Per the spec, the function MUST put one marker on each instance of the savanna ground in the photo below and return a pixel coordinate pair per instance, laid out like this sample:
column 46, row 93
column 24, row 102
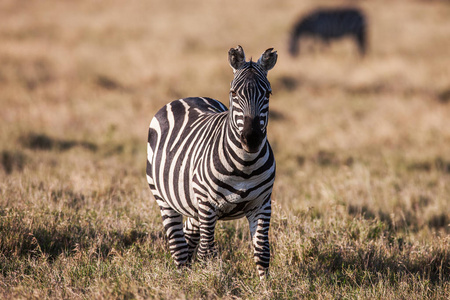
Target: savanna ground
column 361, row 200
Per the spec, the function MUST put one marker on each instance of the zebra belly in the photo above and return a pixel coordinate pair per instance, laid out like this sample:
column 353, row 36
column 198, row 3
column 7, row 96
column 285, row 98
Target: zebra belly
column 242, row 196
column 231, row 211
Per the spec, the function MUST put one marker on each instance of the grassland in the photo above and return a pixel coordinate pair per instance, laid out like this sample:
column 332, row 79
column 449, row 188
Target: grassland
column 361, row 200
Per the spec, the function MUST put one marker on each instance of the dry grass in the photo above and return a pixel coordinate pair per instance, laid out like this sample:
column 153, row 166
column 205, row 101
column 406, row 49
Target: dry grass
column 361, row 201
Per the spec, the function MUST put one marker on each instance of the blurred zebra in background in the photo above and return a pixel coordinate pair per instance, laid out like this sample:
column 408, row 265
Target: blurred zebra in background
column 330, row 24
column 209, row 163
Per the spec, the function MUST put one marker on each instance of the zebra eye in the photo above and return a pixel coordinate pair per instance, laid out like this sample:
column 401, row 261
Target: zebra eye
column 233, row 94
column 268, row 93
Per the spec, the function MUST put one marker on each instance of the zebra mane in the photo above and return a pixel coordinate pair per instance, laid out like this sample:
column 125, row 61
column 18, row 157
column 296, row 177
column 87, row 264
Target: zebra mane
column 251, row 65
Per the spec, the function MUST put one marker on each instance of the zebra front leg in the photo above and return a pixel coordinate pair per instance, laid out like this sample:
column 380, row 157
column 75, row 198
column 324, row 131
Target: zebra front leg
column 173, row 224
column 259, row 222
column 192, row 235
column 207, row 220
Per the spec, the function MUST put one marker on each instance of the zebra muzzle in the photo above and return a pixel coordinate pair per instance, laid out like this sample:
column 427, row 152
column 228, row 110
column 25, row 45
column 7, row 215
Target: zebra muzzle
column 251, row 136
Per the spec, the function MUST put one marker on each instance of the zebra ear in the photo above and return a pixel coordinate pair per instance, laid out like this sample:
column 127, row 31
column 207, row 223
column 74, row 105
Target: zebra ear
column 236, row 58
column 268, row 59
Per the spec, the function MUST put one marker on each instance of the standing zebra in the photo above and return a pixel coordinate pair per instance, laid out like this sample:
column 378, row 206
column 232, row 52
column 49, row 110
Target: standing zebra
column 209, row 163
column 328, row 24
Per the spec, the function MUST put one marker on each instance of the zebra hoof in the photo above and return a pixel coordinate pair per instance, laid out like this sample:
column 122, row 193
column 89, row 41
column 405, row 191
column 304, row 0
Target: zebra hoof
column 209, row 255
column 184, row 266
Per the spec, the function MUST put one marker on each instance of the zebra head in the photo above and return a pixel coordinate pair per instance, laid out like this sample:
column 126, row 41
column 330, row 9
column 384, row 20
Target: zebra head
column 249, row 97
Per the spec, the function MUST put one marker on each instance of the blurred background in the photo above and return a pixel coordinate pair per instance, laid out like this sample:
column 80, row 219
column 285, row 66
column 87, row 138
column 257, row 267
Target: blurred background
column 362, row 142
column 81, row 80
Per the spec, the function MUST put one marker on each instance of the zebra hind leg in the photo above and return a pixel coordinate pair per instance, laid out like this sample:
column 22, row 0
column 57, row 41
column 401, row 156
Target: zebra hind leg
column 173, row 224
column 192, row 235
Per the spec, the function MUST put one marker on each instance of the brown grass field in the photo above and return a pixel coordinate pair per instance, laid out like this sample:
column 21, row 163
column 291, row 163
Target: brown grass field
column 361, row 199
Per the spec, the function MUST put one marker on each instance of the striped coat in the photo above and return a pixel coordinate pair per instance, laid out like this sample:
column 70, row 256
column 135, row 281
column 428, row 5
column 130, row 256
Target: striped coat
column 208, row 163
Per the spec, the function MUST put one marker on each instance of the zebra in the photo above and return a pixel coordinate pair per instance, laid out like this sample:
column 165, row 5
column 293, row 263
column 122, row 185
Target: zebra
column 329, row 24
column 208, row 163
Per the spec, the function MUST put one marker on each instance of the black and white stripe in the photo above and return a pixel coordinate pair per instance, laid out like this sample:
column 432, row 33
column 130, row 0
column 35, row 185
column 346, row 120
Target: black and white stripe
column 209, row 163
column 329, row 24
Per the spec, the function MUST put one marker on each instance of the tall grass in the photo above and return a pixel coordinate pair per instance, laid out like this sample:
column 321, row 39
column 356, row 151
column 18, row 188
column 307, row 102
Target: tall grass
column 361, row 199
